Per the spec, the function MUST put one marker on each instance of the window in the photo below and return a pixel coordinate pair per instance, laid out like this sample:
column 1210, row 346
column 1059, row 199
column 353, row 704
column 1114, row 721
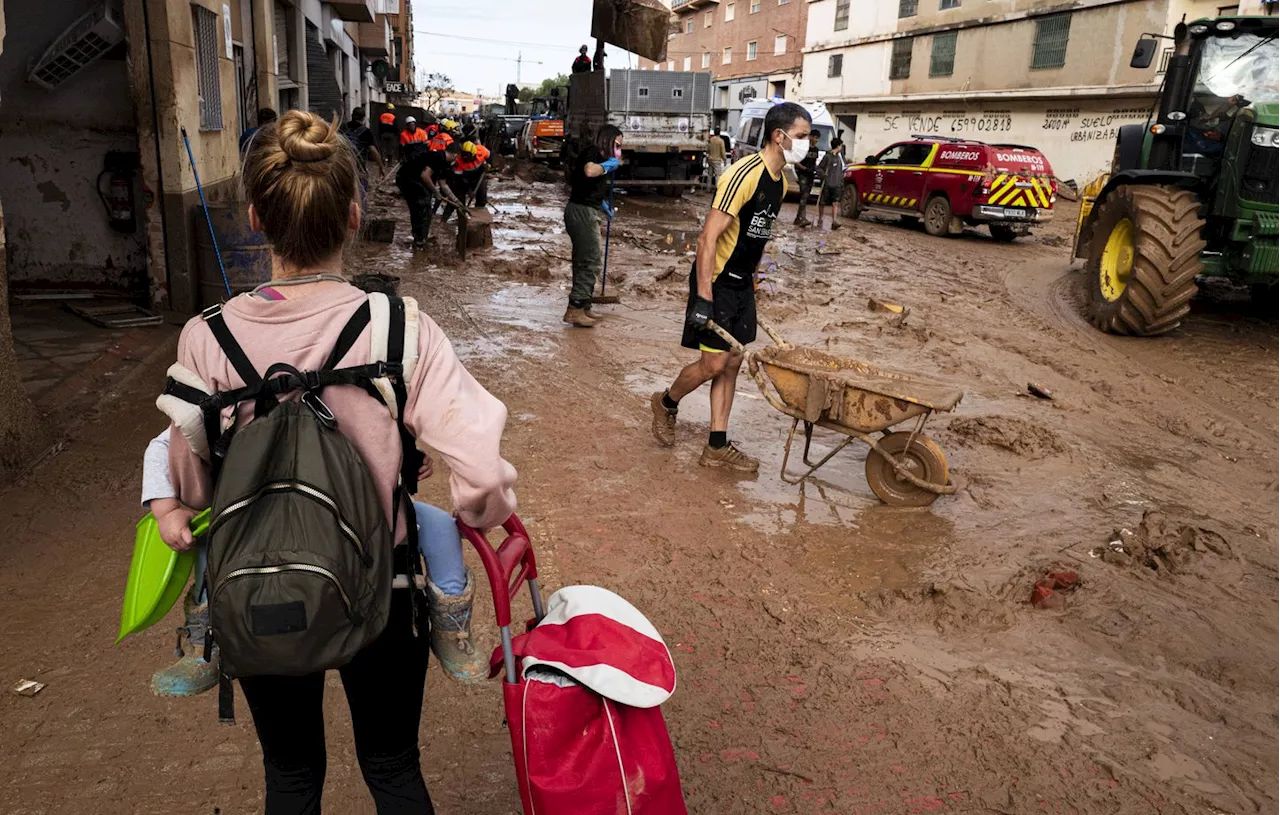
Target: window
column 908, row 154
column 677, row 93
column 900, row 58
column 706, row 59
column 706, row 19
column 842, row 15
column 908, row 8
column 755, row 6
column 752, row 131
column 751, row 50
column 643, row 93
column 835, row 65
column 1050, row 47
column 728, row 56
column 780, row 44
column 671, row 65
column 778, row 89
column 728, row 12
column 943, row 60
column 688, row 26
column 783, row 2
column 688, row 63
column 204, row 25
column 943, row 5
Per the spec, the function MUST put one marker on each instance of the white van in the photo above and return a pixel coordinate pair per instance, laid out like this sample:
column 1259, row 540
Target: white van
column 751, row 133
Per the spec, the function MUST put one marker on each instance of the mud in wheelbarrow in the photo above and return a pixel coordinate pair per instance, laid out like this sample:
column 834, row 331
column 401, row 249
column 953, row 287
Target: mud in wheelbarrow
column 861, row 402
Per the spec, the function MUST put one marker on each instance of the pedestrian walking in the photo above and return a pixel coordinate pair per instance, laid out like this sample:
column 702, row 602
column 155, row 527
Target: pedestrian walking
column 831, row 171
column 715, row 158
column 806, row 172
column 722, row 282
column 588, row 191
column 300, row 181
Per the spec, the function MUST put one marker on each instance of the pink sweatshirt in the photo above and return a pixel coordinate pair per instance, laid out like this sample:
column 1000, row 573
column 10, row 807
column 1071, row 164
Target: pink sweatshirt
column 447, row 410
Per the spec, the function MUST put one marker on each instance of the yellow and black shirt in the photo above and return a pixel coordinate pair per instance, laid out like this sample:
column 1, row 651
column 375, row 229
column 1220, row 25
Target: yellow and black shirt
column 753, row 196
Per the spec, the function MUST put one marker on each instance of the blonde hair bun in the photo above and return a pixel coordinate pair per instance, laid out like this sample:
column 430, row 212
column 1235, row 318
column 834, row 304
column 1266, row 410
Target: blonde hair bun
column 306, row 138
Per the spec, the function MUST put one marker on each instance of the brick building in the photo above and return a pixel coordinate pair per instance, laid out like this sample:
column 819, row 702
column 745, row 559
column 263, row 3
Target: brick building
column 752, row 48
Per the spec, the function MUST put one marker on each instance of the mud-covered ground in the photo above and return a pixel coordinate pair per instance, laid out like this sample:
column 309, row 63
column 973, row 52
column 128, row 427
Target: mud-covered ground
column 835, row 655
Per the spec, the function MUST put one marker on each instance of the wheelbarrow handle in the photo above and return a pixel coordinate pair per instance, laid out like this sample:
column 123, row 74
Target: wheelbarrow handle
column 739, row 347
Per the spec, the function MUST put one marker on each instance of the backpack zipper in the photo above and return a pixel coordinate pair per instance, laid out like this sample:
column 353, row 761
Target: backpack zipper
column 257, row 571
column 305, row 489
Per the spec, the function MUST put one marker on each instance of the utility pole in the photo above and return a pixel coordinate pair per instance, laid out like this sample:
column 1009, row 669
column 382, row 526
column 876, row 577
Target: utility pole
column 519, row 59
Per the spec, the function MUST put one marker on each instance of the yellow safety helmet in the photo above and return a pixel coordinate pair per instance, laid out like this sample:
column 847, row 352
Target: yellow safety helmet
column 449, row 124
column 390, row 106
column 469, row 147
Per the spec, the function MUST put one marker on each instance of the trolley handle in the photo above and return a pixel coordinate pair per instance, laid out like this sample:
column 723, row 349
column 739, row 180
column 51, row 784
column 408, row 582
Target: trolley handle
column 508, row 567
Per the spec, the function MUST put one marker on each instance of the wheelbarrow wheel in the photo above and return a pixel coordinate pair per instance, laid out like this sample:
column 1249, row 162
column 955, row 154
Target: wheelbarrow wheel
column 924, row 459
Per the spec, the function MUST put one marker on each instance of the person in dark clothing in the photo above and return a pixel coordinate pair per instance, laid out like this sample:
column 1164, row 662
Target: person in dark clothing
column 582, row 64
column 597, row 64
column 588, row 196
column 362, row 142
column 422, row 176
column 806, row 171
column 265, row 117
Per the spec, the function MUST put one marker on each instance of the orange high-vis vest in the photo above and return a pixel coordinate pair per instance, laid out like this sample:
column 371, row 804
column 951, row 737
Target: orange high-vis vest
column 467, row 162
column 441, row 141
column 418, row 135
column 387, row 118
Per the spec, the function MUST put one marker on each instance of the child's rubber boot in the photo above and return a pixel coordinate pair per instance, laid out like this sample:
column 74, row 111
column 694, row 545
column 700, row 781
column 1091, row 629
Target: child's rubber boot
column 190, row 675
column 451, row 633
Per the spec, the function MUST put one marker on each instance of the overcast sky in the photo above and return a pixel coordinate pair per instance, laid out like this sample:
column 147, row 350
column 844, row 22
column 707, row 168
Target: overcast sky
column 545, row 31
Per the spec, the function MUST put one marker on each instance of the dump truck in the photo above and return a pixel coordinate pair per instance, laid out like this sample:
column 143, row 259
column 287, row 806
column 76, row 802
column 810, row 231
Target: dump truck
column 1193, row 192
column 664, row 116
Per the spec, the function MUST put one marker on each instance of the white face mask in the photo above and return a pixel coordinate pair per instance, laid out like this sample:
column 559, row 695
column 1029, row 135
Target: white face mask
column 798, row 150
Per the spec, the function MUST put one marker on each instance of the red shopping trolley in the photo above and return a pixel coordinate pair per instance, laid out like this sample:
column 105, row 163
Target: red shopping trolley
column 580, row 691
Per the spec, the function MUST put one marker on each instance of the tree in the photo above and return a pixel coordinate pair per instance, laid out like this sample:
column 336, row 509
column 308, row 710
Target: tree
column 560, row 81
column 434, row 88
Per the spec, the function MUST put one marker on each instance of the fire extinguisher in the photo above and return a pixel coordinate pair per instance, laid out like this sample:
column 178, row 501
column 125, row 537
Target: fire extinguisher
column 117, row 199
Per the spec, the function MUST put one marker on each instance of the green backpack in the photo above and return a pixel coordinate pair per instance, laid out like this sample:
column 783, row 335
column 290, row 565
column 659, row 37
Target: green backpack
column 300, row 551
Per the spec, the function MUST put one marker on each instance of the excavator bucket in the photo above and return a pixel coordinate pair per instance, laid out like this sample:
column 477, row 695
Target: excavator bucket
column 639, row 26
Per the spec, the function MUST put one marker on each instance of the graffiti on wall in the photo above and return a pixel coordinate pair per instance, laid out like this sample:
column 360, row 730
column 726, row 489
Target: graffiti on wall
column 1079, row 125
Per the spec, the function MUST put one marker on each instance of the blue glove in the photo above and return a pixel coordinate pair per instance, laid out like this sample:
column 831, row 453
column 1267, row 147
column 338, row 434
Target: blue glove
column 610, row 165
column 608, row 210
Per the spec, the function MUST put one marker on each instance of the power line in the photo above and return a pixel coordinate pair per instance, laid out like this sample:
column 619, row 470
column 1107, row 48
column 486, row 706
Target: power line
column 496, row 42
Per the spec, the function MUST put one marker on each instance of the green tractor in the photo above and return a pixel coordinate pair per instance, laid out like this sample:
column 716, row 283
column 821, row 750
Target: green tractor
column 1193, row 191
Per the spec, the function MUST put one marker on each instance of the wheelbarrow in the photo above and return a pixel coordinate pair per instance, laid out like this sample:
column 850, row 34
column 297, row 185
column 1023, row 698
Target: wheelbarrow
column 859, row 401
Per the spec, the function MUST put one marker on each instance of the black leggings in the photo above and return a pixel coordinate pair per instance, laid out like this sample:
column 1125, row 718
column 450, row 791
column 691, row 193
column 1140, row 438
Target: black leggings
column 384, row 685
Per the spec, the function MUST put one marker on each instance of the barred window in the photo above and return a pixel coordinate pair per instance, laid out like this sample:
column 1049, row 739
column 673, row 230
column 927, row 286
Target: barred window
column 842, row 15
column 908, row 8
column 1050, row 47
column 835, row 65
column 204, row 25
column 943, row 5
column 943, row 60
column 900, row 59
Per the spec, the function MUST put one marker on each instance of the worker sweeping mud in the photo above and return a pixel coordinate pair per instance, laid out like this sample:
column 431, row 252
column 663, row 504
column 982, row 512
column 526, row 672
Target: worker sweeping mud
column 588, row 194
column 722, row 282
column 423, row 182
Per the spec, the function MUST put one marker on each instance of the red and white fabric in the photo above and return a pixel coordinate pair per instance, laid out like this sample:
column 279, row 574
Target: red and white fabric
column 586, row 730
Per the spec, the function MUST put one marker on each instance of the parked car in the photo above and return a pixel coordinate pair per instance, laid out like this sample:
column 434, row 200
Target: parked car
column 751, row 134
column 541, row 139
column 951, row 182
column 508, row 131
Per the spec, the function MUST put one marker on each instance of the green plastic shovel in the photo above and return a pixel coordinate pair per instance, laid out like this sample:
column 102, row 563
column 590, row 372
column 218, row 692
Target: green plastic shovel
column 157, row 576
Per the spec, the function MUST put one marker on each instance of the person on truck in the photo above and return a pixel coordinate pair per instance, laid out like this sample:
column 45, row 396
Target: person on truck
column 582, row 64
column 588, row 194
column 715, row 158
column 722, row 282
column 806, row 171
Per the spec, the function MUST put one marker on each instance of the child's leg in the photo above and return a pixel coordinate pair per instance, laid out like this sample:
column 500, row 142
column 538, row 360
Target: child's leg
column 441, row 546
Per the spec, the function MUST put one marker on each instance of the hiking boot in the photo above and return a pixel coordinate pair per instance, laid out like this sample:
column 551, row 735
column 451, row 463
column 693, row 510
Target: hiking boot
column 579, row 317
column 593, row 314
column 418, row 246
column 664, row 420
column 190, row 675
column 451, row 633
column 803, row 222
column 729, row 456
column 834, row 226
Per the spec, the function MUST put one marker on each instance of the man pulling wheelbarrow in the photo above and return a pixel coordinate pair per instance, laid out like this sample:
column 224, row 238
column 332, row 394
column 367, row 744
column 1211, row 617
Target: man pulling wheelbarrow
column 722, row 282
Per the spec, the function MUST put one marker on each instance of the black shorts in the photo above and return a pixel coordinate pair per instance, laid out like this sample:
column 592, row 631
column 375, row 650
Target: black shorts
column 831, row 195
column 734, row 310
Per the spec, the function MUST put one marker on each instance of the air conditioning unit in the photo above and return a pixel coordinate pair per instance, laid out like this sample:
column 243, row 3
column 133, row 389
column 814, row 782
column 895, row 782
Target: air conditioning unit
column 88, row 38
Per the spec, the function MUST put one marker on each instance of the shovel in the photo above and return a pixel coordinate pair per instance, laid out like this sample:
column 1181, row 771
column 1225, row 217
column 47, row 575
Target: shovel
column 602, row 298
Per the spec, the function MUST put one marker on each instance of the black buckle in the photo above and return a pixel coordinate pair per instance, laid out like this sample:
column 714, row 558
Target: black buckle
column 310, row 380
column 395, row 369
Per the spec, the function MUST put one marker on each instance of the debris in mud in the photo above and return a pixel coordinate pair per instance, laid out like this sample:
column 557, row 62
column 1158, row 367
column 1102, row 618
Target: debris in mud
column 1161, row 545
column 28, row 687
column 1052, row 240
column 1039, row 391
column 663, row 275
column 891, row 307
column 1049, row 591
column 1018, row 436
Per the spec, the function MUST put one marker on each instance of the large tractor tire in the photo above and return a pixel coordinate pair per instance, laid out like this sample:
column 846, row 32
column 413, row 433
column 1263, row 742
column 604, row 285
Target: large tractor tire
column 1143, row 260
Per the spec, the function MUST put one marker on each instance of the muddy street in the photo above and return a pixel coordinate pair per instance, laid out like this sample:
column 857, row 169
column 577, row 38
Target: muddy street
column 835, row 655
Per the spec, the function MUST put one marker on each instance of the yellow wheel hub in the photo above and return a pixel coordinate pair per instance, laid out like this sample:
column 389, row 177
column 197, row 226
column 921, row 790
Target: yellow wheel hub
column 1117, row 261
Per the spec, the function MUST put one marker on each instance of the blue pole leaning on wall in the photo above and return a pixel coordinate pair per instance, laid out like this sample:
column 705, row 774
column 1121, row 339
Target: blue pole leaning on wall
column 205, row 206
